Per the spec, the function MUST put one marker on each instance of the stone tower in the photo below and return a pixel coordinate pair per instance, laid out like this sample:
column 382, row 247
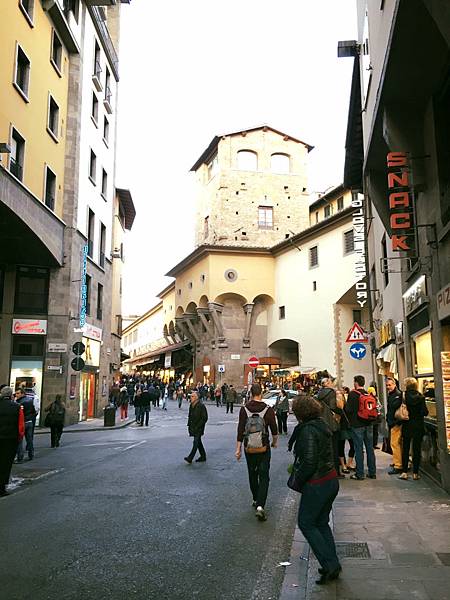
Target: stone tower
column 252, row 189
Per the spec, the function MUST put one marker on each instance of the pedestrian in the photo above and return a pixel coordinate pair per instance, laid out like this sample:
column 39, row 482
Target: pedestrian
column 224, row 389
column 114, row 395
column 282, row 411
column 123, row 403
column 231, row 398
column 332, row 416
column 394, row 401
column 358, row 403
column 138, row 405
column 316, row 479
column 413, row 429
column 373, row 392
column 56, row 412
column 145, row 404
column 180, row 395
column 218, row 396
column 197, row 419
column 29, row 414
column 347, row 464
column 255, row 420
column 12, row 430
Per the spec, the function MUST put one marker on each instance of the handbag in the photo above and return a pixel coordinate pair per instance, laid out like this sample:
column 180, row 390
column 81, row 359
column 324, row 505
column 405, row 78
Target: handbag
column 293, row 483
column 386, row 446
column 402, row 414
column 48, row 420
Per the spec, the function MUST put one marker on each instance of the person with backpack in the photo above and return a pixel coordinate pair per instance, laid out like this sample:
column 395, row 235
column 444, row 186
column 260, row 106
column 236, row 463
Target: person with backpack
column 56, row 412
column 361, row 411
column 255, row 420
column 197, row 419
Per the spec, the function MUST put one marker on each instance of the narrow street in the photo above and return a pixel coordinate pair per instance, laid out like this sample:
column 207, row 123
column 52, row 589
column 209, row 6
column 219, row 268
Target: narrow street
column 124, row 516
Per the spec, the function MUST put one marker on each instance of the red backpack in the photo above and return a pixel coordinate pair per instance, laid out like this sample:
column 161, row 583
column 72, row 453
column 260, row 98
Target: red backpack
column 367, row 410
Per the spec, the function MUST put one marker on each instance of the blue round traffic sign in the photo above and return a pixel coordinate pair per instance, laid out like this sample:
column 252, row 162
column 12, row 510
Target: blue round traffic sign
column 358, row 351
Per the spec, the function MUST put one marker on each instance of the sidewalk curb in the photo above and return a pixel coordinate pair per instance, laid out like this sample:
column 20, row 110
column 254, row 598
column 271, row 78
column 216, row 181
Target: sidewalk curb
column 67, row 429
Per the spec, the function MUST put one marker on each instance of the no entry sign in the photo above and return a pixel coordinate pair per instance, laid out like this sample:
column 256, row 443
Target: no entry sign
column 253, row 362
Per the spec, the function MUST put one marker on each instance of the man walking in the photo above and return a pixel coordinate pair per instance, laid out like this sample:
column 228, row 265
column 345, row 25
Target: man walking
column 255, row 420
column 361, row 430
column 231, row 398
column 29, row 413
column 145, row 407
column 12, row 429
column 197, row 419
column 394, row 401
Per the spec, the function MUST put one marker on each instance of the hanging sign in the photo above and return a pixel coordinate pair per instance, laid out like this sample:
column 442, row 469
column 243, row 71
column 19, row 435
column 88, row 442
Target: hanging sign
column 359, row 244
column 83, row 286
column 443, row 302
column 29, row 326
column 400, row 202
column 357, row 334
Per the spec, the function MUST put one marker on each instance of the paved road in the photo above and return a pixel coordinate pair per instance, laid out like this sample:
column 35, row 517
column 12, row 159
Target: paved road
column 121, row 515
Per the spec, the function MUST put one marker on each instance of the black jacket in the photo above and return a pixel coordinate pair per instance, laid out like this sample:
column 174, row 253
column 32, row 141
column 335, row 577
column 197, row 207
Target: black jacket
column 313, row 451
column 327, row 396
column 29, row 411
column 394, row 401
column 417, row 410
column 146, row 399
column 9, row 419
column 198, row 416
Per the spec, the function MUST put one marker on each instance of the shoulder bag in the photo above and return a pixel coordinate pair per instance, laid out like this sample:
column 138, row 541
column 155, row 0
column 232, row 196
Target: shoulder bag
column 402, row 414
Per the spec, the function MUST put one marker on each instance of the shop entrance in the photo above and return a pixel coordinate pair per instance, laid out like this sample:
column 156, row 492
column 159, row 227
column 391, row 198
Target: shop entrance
column 88, row 395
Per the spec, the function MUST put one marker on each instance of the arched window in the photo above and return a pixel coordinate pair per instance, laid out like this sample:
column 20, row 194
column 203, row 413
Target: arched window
column 247, row 160
column 279, row 163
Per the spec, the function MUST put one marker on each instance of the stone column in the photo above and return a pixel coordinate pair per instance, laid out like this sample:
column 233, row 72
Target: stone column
column 248, row 309
column 216, row 313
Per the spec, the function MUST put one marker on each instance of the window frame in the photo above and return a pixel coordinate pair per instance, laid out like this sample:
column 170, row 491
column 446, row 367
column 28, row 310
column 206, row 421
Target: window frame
column 247, row 153
column 94, row 109
column 104, row 189
column 29, row 17
column 58, row 68
column 344, row 241
column 310, row 256
column 327, row 208
column 281, row 312
column 27, row 309
column 106, row 130
column 102, row 245
column 99, row 311
column 340, row 203
column 46, row 170
column 23, row 146
column 280, row 172
column 52, row 134
column 90, row 229
column 88, row 294
column 92, row 163
column 262, row 224
column 23, row 93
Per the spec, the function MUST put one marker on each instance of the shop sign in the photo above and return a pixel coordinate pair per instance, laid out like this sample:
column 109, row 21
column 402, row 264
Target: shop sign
column 359, row 242
column 443, row 302
column 387, row 333
column 415, row 296
column 400, row 202
column 206, row 369
column 445, row 364
column 399, row 336
column 235, row 357
column 92, row 332
column 29, row 326
column 58, row 368
column 56, row 347
column 168, row 360
column 83, row 286
column 91, row 355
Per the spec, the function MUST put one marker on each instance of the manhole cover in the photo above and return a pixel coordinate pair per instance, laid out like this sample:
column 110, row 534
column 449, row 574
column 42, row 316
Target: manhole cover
column 352, row 550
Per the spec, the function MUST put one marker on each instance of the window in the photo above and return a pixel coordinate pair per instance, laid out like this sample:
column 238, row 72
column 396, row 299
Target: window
column 99, row 301
column 22, row 76
column 206, row 227
column 213, row 167
column 88, row 294
column 373, row 286
column 104, row 183
column 265, row 217
column 92, row 167
column 384, row 256
column 357, row 317
column 313, row 257
column 317, row 216
column 340, row 203
column 96, row 74
column 108, row 94
column 102, row 245
column 17, row 156
column 280, row 163
column 282, row 312
column 90, row 233
column 327, row 211
column 28, row 345
column 72, row 7
column 31, row 290
column 53, row 118
column 56, row 55
column 247, row 160
column 94, row 110
column 105, row 130
column 50, row 188
column 349, row 244
column 27, row 7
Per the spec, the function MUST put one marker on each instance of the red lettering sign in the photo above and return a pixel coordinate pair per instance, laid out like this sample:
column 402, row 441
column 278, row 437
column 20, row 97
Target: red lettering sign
column 400, row 203
column 397, row 159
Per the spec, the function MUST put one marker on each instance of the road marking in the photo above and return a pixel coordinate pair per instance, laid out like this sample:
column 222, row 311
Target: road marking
column 102, row 444
column 134, row 445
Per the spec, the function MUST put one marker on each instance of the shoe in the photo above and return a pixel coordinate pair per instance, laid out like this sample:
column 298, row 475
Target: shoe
column 31, row 456
column 201, row 459
column 187, row 459
column 354, row 476
column 18, row 460
column 329, row 576
column 403, row 476
column 322, row 571
column 416, row 476
column 260, row 514
column 351, row 468
column 376, row 447
column 254, row 503
column 394, row 471
column 345, row 470
column 371, row 476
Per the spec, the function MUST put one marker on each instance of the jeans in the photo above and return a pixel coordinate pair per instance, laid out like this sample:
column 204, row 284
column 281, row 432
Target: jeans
column 258, row 466
column 29, row 428
column 55, row 434
column 197, row 445
column 313, row 517
column 230, row 406
column 414, row 436
column 363, row 436
column 137, row 413
column 282, row 418
column 145, row 412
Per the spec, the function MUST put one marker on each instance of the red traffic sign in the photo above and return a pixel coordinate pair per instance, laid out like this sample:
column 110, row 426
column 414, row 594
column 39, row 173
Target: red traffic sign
column 253, row 362
column 356, row 334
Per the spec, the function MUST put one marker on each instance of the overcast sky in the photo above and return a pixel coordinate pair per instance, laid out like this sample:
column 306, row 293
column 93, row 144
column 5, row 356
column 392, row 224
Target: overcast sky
column 191, row 70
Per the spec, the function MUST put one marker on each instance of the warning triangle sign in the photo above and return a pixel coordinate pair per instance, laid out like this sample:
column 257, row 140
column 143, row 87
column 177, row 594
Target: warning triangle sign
column 356, row 334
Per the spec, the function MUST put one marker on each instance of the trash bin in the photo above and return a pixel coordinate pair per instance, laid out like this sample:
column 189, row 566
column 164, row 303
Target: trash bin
column 109, row 416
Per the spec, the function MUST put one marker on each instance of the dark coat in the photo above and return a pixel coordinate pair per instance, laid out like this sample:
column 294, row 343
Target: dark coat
column 198, row 417
column 417, row 410
column 9, row 419
column 394, row 401
column 146, row 399
column 313, row 451
column 232, row 395
column 327, row 396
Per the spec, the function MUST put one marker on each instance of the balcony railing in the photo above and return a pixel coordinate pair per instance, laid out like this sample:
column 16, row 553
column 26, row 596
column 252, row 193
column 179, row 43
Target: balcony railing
column 102, row 29
column 15, row 168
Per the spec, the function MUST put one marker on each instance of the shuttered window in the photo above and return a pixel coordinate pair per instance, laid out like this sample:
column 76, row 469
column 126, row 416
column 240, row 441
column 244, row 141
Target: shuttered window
column 349, row 245
column 313, row 257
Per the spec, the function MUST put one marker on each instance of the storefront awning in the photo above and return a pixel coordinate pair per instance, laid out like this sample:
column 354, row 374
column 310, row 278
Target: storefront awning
column 387, row 360
column 302, row 370
column 150, row 357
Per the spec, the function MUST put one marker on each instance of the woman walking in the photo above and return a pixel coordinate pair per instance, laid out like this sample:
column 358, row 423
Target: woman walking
column 413, row 429
column 316, row 479
column 55, row 419
column 282, row 411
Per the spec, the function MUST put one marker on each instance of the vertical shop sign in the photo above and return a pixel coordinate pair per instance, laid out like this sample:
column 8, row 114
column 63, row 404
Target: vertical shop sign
column 401, row 207
column 445, row 364
column 83, row 287
column 359, row 241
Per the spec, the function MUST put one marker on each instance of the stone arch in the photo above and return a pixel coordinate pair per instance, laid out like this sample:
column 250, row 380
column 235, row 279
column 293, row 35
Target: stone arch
column 203, row 302
column 227, row 296
column 287, row 350
column 280, row 163
column 179, row 312
column 247, row 160
column 191, row 308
